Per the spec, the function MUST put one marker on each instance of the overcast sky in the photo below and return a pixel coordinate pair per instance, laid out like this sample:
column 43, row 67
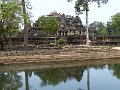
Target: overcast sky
column 104, row 13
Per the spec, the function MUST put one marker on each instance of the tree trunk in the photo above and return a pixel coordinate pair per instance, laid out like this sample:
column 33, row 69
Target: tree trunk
column 9, row 42
column 25, row 27
column 55, row 40
column 1, row 35
column 87, row 32
column 1, row 43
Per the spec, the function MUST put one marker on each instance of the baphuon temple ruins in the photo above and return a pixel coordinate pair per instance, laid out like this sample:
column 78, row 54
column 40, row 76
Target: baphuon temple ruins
column 70, row 28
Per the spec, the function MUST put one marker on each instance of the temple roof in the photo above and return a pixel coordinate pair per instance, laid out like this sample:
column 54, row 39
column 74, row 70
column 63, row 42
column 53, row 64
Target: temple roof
column 54, row 14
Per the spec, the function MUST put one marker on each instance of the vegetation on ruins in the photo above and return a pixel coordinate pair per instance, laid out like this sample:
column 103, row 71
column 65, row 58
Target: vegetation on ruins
column 49, row 24
column 61, row 41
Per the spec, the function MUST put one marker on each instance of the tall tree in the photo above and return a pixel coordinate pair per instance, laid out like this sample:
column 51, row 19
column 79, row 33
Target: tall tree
column 25, row 26
column 11, row 10
column 10, row 18
column 83, row 5
column 26, row 5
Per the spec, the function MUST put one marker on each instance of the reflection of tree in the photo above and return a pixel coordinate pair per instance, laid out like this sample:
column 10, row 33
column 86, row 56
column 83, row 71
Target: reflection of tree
column 10, row 81
column 88, row 77
column 56, row 75
column 88, row 73
column 116, row 70
column 27, row 75
column 26, row 80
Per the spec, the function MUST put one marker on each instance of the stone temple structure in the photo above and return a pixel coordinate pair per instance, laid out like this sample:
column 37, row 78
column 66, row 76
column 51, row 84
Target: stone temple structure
column 69, row 27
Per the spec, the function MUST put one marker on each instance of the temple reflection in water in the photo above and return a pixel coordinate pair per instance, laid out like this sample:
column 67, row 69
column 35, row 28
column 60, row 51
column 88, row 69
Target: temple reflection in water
column 82, row 77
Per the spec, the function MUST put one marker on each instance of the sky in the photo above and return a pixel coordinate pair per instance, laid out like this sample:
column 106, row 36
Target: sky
column 103, row 14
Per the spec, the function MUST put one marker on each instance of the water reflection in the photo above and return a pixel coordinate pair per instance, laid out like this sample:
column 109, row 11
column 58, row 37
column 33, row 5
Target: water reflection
column 88, row 77
column 71, row 78
column 58, row 75
column 10, row 81
column 115, row 70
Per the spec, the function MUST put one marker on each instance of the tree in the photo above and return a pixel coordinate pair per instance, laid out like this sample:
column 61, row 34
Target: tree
column 110, row 28
column 25, row 25
column 116, row 23
column 99, row 27
column 83, row 5
column 10, row 18
column 49, row 24
column 18, row 11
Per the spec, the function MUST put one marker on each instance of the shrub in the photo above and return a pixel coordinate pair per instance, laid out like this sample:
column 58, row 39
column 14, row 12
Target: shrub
column 61, row 41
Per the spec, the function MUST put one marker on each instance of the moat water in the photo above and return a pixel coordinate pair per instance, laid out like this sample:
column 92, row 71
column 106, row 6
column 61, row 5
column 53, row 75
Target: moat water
column 83, row 77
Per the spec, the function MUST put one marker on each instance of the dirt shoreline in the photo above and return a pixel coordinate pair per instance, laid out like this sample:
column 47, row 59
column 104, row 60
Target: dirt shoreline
column 66, row 54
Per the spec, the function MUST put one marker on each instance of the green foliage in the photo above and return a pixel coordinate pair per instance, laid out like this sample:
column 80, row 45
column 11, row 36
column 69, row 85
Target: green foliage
column 61, row 41
column 10, row 81
column 49, row 24
column 103, row 31
column 116, row 23
column 57, row 75
column 110, row 46
column 99, row 27
column 26, row 14
column 83, row 5
column 115, row 70
column 10, row 17
column 110, row 28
